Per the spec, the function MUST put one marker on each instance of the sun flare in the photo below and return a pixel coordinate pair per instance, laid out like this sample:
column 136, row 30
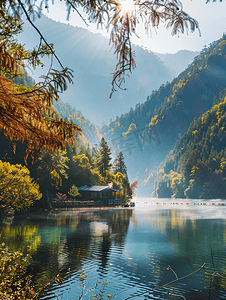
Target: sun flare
column 127, row 6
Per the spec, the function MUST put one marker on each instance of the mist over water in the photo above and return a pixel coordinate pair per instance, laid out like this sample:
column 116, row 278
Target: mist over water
column 130, row 248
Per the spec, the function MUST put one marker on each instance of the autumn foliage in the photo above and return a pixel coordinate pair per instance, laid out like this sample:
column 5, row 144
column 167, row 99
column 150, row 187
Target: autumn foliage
column 134, row 186
column 27, row 117
column 17, row 188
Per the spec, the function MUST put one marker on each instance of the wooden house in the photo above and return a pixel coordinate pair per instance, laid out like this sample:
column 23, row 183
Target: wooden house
column 102, row 195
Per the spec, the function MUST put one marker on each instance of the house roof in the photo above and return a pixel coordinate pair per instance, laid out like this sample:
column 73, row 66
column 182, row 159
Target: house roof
column 94, row 188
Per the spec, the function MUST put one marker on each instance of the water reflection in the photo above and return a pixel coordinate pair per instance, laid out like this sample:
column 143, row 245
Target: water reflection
column 131, row 248
column 190, row 235
column 19, row 236
column 69, row 240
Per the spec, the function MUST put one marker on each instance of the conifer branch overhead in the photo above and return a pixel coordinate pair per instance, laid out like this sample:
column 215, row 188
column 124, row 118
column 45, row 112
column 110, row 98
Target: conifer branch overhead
column 35, row 102
column 75, row 8
column 41, row 36
column 122, row 23
column 26, row 112
column 30, row 119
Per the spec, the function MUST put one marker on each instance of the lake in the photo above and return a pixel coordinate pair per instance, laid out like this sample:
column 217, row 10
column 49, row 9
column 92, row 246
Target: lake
column 127, row 252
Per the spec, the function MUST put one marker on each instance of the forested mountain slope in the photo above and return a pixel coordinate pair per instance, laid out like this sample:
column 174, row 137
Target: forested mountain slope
column 90, row 131
column 188, row 95
column 196, row 167
column 93, row 63
column 168, row 112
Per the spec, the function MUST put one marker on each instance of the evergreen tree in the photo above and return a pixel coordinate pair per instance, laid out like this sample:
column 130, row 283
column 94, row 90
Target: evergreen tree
column 103, row 158
column 119, row 164
column 119, row 167
column 127, row 188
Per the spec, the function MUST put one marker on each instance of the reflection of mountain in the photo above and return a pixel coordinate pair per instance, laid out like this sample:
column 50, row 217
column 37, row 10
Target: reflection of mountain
column 180, row 238
column 186, row 230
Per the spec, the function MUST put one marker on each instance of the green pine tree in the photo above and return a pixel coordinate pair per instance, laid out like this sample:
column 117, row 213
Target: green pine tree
column 103, row 158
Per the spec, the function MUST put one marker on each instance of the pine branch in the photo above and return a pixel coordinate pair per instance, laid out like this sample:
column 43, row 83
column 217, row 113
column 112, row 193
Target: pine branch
column 40, row 34
column 72, row 5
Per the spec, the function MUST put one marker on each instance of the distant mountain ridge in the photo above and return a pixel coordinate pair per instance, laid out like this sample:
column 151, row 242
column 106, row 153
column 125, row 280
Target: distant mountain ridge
column 179, row 61
column 89, row 56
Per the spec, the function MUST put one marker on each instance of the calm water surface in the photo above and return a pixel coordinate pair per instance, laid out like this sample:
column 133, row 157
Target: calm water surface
column 129, row 248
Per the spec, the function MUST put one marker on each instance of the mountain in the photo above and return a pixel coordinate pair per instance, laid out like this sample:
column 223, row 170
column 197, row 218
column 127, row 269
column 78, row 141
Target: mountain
column 90, row 131
column 147, row 133
column 196, row 167
column 177, row 62
column 93, row 63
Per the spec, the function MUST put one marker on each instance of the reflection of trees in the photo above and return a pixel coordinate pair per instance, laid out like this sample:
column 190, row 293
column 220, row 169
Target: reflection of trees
column 65, row 240
column 119, row 224
column 105, row 251
column 65, row 245
column 78, row 243
column 66, row 220
column 44, row 264
column 18, row 237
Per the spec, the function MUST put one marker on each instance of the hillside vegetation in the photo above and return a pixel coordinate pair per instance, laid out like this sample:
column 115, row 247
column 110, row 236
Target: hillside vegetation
column 196, row 167
column 58, row 174
column 90, row 131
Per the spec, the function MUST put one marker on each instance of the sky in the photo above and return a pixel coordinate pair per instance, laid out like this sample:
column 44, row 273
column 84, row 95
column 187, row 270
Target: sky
column 210, row 16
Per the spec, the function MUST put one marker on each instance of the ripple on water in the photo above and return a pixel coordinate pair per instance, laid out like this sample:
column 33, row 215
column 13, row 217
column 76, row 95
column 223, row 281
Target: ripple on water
column 134, row 260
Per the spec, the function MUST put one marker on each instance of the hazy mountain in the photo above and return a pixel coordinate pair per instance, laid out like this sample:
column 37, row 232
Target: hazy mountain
column 89, row 56
column 177, row 62
column 147, row 133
